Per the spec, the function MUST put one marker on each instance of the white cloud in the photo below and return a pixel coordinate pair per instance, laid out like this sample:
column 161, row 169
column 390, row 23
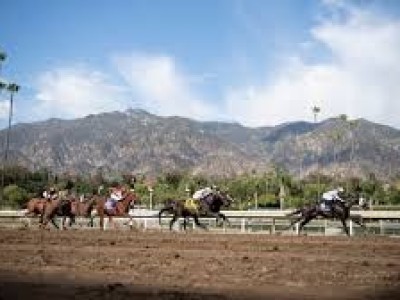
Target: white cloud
column 4, row 107
column 75, row 92
column 161, row 87
column 361, row 79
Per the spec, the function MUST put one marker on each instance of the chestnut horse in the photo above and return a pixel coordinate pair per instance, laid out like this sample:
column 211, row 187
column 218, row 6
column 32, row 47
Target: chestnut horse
column 83, row 209
column 70, row 208
column 35, row 208
column 121, row 209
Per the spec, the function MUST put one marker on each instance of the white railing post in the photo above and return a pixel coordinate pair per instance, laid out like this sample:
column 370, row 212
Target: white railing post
column 381, row 227
column 243, row 225
column 351, row 227
column 273, row 226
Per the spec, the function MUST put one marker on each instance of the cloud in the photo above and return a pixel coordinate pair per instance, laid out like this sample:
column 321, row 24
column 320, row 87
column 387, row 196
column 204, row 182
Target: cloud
column 75, row 92
column 360, row 79
column 4, row 107
column 162, row 88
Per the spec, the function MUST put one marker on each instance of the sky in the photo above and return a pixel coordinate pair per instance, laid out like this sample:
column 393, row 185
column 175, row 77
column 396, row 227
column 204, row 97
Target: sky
column 255, row 62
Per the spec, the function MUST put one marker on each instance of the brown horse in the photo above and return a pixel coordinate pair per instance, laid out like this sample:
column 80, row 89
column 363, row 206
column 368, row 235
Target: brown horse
column 70, row 207
column 83, row 209
column 339, row 210
column 35, row 208
column 58, row 207
column 121, row 209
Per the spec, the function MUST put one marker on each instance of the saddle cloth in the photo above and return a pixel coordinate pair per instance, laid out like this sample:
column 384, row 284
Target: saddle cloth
column 192, row 204
column 110, row 204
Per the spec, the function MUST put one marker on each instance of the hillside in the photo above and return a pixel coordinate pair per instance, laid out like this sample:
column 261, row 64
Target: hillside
column 139, row 142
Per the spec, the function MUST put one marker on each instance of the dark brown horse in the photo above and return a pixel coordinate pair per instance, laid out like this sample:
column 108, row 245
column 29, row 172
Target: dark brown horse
column 57, row 208
column 339, row 210
column 210, row 206
column 121, row 209
column 178, row 209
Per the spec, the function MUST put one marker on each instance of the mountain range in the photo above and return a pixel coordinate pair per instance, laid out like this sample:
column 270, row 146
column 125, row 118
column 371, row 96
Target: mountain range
column 135, row 141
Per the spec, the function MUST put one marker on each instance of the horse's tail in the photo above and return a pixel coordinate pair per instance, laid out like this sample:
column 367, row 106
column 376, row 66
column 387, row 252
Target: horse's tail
column 295, row 212
column 24, row 205
column 163, row 210
column 90, row 207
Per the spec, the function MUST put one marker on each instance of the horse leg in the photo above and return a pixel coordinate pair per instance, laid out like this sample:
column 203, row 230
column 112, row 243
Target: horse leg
column 28, row 215
column 184, row 223
column 91, row 219
column 197, row 222
column 171, row 223
column 63, row 223
column 111, row 221
column 297, row 220
column 346, row 229
column 130, row 222
column 53, row 221
column 304, row 223
column 360, row 223
column 224, row 218
column 101, row 216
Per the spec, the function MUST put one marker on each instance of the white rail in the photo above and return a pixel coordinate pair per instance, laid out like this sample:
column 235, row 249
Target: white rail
column 255, row 221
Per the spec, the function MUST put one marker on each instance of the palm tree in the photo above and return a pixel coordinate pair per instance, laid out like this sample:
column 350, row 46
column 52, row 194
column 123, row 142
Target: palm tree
column 3, row 85
column 316, row 110
column 12, row 88
column 3, row 57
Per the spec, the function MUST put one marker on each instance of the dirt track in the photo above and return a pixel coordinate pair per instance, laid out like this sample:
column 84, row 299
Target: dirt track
column 160, row 265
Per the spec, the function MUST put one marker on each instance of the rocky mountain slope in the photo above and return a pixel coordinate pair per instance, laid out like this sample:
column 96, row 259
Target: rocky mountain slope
column 139, row 142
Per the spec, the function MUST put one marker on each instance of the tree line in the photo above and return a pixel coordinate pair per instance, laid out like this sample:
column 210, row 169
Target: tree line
column 249, row 190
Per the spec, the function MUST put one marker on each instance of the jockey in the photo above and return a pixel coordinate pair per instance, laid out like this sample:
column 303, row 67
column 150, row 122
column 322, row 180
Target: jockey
column 200, row 195
column 116, row 194
column 204, row 192
column 331, row 197
column 51, row 194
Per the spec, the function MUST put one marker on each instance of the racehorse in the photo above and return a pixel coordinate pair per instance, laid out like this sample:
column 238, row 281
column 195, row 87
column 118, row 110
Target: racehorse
column 69, row 207
column 35, row 207
column 339, row 210
column 121, row 209
column 178, row 209
column 57, row 208
column 210, row 206
column 83, row 209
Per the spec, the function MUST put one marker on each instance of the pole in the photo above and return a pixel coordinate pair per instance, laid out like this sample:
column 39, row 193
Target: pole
column 151, row 198
column 315, row 111
column 3, row 85
column 9, row 127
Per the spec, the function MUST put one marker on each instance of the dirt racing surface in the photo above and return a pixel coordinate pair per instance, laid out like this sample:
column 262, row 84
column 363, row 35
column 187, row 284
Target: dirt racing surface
column 89, row 264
